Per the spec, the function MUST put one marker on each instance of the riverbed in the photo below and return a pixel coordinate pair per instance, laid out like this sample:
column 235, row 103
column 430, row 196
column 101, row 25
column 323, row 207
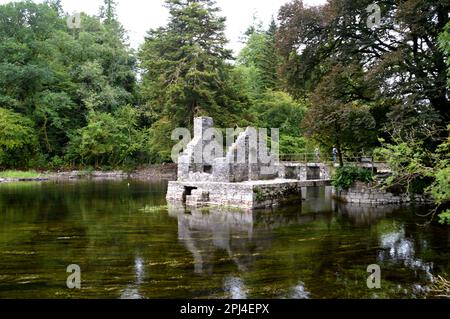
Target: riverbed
column 128, row 243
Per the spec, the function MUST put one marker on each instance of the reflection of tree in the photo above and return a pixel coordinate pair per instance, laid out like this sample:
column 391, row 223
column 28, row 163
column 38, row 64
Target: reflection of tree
column 45, row 227
column 388, row 236
column 308, row 251
column 363, row 215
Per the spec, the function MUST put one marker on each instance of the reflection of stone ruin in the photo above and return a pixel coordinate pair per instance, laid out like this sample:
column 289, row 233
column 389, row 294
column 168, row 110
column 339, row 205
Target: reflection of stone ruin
column 243, row 235
column 246, row 176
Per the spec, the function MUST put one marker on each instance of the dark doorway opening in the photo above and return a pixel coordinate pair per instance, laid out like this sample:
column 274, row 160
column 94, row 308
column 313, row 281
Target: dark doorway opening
column 207, row 169
column 187, row 192
column 313, row 173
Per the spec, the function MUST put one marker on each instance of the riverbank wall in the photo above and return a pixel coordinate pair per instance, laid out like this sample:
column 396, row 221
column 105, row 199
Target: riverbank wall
column 369, row 193
column 151, row 172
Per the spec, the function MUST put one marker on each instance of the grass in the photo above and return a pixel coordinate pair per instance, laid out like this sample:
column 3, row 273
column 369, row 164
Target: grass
column 19, row 174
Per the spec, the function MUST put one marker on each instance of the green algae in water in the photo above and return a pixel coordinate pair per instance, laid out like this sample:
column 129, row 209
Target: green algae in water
column 130, row 244
column 153, row 209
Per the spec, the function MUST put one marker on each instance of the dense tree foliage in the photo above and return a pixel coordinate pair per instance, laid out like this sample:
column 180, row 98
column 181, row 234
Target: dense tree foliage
column 17, row 141
column 340, row 115
column 276, row 109
column 259, row 59
column 401, row 54
column 55, row 77
column 444, row 43
column 326, row 76
column 186, row 73
column 417, row 170
column 258, row 65
column 369, row 78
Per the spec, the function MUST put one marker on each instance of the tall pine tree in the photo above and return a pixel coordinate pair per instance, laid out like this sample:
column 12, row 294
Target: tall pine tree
column 186, row 73
column 260, row 59
column 108, row 11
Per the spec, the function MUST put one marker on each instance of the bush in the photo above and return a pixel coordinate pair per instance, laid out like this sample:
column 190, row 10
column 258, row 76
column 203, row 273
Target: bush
column 17, row 140
column 346, row 176
column 107, row 139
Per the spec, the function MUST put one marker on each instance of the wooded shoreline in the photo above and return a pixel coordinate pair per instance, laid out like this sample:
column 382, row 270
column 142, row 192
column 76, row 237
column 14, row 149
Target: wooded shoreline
column 150, row 172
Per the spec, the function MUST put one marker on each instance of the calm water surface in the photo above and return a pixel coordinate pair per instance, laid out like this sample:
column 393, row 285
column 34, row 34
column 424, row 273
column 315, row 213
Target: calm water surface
column 129, row 244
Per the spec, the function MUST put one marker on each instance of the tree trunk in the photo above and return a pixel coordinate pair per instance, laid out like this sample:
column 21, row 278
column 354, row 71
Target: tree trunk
column 341, row 160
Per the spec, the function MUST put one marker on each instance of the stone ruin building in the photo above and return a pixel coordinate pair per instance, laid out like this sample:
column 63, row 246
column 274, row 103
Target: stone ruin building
column 239, row 178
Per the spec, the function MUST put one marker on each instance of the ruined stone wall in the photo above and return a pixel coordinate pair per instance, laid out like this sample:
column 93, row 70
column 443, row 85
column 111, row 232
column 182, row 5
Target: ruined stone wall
column 246, row 195
column 304, row 172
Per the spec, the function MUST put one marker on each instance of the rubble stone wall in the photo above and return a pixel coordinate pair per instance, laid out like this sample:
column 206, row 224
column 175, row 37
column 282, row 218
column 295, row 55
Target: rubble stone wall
column 362, row 193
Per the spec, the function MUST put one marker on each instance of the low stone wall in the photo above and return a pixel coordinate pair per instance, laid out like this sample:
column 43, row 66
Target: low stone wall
column 156, row 172
column 248, row 195
column 72, row 175
column 362, row 193
column 303, row 172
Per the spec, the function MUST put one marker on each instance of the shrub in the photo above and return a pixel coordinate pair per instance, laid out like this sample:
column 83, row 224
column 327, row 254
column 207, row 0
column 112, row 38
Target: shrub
column 17, row 140
column 346, row 176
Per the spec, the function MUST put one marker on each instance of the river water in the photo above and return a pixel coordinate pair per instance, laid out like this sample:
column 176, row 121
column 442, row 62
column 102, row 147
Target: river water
column 129, row 244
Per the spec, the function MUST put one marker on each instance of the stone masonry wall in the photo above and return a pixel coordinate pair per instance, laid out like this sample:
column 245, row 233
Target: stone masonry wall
column 362, row 193
column 245, row 195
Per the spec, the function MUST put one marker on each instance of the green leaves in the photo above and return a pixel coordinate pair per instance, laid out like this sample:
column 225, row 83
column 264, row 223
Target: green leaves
column 55, row 78
column 414, row 165
column 346, row 176
column 108, row 139
column 340, row 114
column 259, row 60
column 410, row 76
column 17, row 141
column 444, row 44
column 185, row 63
column 444, row 218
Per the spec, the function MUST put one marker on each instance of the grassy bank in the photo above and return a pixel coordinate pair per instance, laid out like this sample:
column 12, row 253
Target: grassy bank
column 19, row 174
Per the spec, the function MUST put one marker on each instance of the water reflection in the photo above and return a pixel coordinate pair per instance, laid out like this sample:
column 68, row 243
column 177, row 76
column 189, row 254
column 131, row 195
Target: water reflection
column 244, row 235
column 132, row 291
column 399, row 249
column 363, row 214
column 299, row 292
column 126, row 249
column 234, row 288
column 247, row 237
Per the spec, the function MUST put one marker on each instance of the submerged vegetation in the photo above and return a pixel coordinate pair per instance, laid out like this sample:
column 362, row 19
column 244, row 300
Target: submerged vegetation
column 440, row 287
column 180, row 255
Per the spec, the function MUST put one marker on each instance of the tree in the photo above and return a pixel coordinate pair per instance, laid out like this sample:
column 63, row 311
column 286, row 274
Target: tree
column 444, row 43
column 108, row 139
column 259, row 59
column 275, row 109
column 302, row 43
column 17, row 142
column 185, row 66
column 54, row 77
column 108, row 11
column 55, row 5
column 401, row 54
column 340, row 115
column 417, row 170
